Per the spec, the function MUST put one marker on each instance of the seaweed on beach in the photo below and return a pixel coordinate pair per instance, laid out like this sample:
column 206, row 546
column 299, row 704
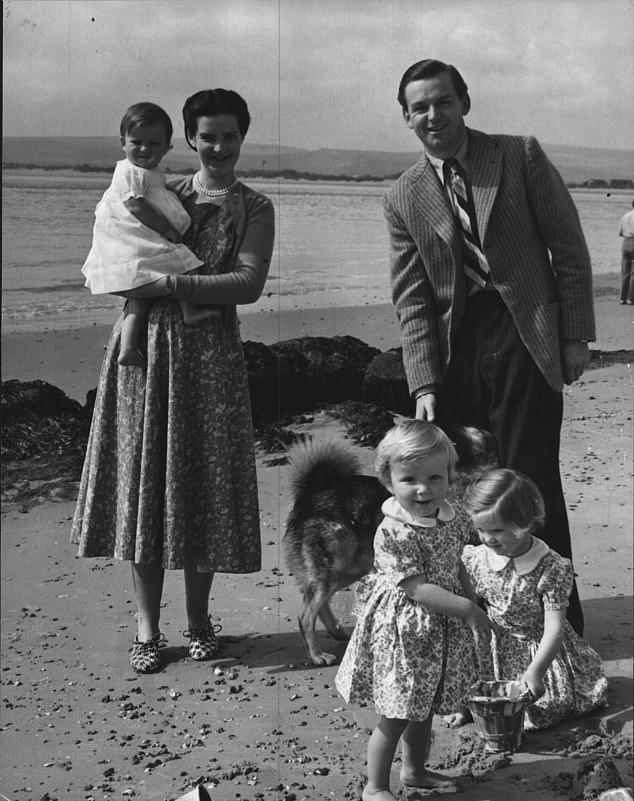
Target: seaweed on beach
column 606, row 358
column 275, row 437
column 44, row 436
column 39, row 419
column 366, row 424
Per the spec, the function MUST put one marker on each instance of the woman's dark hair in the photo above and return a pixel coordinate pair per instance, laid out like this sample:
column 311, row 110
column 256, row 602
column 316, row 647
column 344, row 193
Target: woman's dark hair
column 430, row 68
column 210, row 103
column 145, row 114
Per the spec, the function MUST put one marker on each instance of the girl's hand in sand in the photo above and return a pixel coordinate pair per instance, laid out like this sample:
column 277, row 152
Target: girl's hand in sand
column 534, row 683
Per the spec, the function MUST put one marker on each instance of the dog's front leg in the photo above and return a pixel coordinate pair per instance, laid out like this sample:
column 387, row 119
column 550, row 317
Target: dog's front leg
column 313, row 604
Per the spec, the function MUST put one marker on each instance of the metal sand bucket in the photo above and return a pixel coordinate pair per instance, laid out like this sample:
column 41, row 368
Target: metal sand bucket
column 497, row 708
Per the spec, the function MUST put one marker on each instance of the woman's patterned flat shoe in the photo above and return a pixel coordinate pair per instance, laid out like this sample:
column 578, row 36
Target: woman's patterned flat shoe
column 145, row 657
column 203, row 643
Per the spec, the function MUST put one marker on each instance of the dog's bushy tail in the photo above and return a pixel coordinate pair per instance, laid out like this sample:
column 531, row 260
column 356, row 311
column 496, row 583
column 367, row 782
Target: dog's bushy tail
column 319, row 465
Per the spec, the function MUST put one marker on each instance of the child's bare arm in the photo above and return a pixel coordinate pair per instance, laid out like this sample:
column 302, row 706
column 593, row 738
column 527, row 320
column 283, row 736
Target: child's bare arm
column 148, row 215
column 549, row 645
column 443, row 602
column 463, row 575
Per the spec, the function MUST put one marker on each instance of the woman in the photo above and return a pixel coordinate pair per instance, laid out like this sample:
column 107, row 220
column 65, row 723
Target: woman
column 169, row 480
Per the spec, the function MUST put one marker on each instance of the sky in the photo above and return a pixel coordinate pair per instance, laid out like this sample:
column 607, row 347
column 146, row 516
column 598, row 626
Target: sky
column 322, row 73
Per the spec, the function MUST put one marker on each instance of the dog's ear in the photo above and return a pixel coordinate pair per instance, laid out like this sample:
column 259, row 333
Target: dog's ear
column 476, row 448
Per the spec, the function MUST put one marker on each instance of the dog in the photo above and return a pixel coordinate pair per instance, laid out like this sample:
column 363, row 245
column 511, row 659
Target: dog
column 329, row 538
column 328, row 542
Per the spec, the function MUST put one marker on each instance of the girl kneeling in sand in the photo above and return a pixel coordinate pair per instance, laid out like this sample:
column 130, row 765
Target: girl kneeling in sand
column 412, row 652
column 139, row 223
column 525, row 587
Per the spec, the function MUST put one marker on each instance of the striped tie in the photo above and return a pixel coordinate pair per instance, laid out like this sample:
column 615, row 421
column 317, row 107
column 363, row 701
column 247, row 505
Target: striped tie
column 475, row 262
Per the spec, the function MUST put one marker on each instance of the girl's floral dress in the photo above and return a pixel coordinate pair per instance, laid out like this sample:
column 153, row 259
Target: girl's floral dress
column 402, row 658
column 516, row 593
column 169, row 475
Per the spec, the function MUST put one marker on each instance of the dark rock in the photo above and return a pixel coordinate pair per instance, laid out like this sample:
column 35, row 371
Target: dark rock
column 38, row 419
column 320, row 369
column 298, row 374
column 28, row 400
column 385, row 385
column 263, row 373
column 366, row 424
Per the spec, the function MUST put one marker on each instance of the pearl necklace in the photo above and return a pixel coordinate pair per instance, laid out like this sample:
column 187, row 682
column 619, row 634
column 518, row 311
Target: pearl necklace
column 213, row 192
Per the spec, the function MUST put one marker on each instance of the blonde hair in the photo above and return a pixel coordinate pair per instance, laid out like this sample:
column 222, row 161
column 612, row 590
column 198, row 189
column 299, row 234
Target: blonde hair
column 505, row 498
column 409, row 440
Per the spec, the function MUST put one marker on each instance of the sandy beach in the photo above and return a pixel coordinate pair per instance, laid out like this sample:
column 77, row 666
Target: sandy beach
column 259, row 722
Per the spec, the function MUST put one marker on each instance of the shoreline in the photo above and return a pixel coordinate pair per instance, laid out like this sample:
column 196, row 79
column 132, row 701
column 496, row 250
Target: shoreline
column 70, row 357
column 67, row 171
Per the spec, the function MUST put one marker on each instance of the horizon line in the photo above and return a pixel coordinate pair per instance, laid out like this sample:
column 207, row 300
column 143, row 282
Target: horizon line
column 305, row 149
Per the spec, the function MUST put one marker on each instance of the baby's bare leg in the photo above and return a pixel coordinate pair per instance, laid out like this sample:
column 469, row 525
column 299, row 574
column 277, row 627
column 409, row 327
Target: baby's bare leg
column 133, row 332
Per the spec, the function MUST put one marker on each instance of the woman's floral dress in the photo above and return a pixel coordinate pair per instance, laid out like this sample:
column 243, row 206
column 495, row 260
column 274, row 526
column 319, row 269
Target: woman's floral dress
column 516, row 593
column 169, row 475
column 402, row 658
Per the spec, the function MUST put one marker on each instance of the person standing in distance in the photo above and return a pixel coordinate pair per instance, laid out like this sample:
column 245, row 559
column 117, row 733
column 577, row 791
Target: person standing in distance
column 492, row 285
column 626, row 230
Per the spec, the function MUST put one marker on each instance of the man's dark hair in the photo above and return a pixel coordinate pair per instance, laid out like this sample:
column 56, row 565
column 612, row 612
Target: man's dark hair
column 430, row 68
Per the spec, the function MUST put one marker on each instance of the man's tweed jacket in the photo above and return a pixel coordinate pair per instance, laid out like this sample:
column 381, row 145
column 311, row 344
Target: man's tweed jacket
column 533, row 241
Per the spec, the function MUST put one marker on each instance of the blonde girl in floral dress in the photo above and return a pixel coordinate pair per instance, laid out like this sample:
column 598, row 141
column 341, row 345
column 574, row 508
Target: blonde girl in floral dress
column 525, row 587
column 169, row 479
column 413, row 649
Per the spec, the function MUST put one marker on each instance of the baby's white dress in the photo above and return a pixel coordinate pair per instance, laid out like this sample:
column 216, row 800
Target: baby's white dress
column 126, row 254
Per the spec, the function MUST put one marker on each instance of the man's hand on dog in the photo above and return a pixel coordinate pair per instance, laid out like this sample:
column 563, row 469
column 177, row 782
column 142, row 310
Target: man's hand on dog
column 426, row 406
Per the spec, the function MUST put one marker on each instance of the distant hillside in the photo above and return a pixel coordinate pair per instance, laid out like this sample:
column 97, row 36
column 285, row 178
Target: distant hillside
column 576, row 164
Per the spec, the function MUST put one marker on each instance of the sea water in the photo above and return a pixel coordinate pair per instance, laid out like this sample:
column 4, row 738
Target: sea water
column 331, row 246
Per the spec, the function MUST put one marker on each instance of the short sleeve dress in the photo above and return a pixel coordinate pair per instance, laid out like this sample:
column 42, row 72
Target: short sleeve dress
column 126, row 254
column 516, row 593
column 169, row 476
column 402, row 658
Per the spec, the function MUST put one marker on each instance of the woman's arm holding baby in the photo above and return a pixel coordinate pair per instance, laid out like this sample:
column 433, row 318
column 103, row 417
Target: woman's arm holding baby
column 242, row 284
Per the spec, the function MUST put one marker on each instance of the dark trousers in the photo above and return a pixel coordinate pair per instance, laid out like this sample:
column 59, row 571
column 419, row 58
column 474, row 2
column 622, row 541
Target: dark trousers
column 493, row 383
column 627, row 263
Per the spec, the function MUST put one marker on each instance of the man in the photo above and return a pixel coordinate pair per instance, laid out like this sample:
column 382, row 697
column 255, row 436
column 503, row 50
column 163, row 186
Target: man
column 626, row 230
column 492, row 284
